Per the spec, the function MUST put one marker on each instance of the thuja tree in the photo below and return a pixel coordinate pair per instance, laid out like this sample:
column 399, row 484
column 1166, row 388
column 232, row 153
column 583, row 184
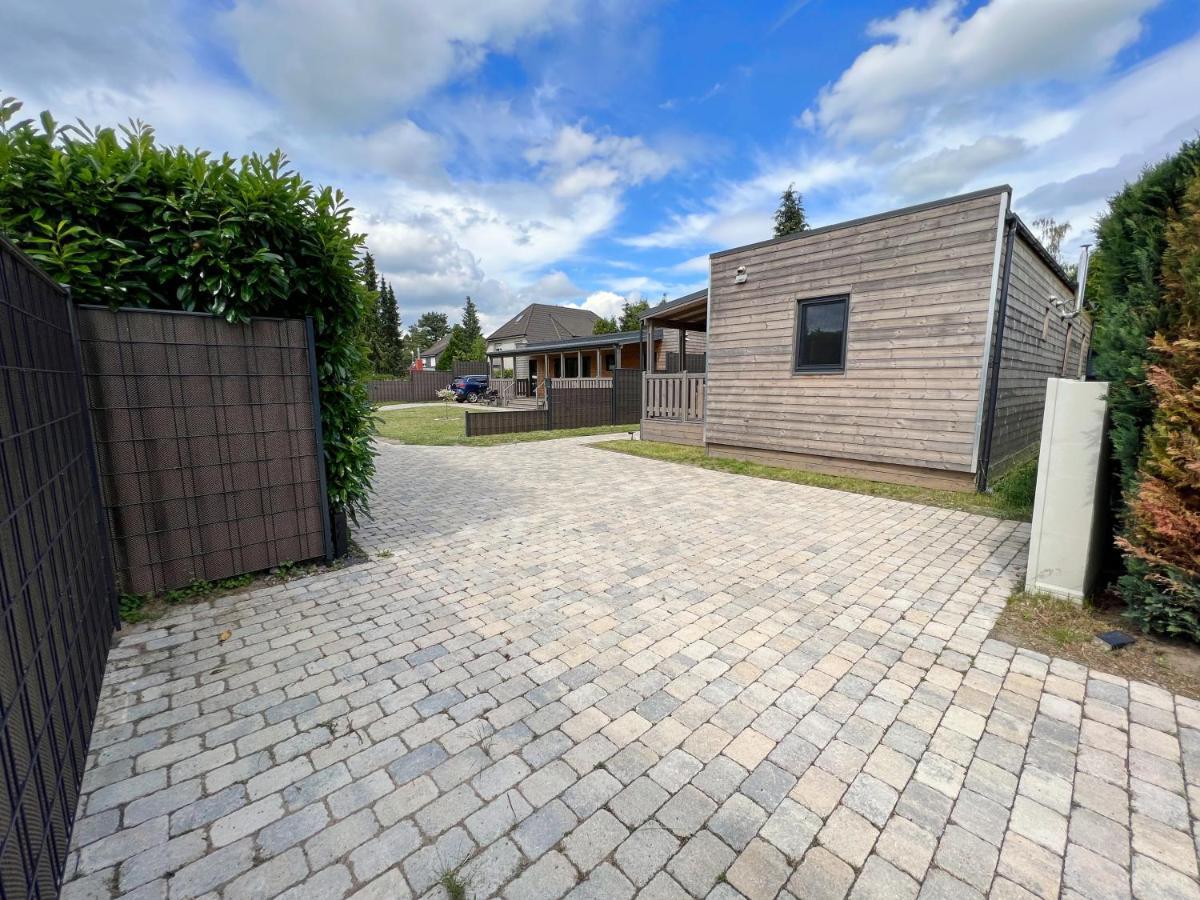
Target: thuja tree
column 126, row 222
column 1125, row 287
column 1162, row 541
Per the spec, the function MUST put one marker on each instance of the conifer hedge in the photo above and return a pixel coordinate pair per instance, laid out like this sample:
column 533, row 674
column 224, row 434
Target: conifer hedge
column 1162, row 541
column 126, row 222
column 1138, row 320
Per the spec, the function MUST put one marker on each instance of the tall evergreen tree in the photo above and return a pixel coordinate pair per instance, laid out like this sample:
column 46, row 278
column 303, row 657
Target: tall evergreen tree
column 790, row 218
column 390, row 347
column 472, row 330
column 430, row 328
column 368, row 328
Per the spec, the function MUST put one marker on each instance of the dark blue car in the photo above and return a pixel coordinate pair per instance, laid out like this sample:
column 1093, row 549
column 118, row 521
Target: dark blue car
column 469, row 388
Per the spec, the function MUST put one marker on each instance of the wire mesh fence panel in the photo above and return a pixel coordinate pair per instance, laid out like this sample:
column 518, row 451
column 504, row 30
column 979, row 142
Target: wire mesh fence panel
column 513, row 422
column 208, row 444
column 58, row 599
column 580, row 407
column 627, row 397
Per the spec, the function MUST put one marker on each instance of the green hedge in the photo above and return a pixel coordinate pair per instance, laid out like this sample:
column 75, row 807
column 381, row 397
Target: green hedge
column 1125, row 291
column 1131, row 307
column 126, row 222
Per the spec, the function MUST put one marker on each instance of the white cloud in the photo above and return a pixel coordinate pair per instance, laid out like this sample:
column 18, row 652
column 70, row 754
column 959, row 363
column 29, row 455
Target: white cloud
column 355, row 61
column 933, row 61
column 945, row 171
column 581, row 161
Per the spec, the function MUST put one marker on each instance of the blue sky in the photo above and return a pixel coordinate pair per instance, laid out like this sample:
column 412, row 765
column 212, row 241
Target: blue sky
column 580, row 152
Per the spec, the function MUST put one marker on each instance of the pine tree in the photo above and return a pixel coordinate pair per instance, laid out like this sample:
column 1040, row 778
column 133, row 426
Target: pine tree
column 789, row 218
column 368, row 329
column 430, row 328
column 470, row 322
column 390, row 343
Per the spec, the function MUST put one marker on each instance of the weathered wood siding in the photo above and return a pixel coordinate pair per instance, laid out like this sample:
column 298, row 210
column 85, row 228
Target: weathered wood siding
column 1034, row 348
column 919, row 285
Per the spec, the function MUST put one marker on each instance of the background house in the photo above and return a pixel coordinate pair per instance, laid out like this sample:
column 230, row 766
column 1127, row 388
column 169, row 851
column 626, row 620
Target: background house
column 909, row 346
column 537, row 323
column 429, row 356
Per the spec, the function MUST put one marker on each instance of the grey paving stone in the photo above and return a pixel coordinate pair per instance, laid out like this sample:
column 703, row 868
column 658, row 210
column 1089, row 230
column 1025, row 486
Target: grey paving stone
column 759, row 871
column 821, row 876
column 686, row 811
column 498, row 817
column 644, row 853
column 417, row 762
column 701, row 861
column 121, row 845
column 638, row 802
column 456, row 696
column 426, row 866
column 767, row 785
column 593, row 840
column 880, row 880
column 737, row 821
column 550, row 877
column 544, row 828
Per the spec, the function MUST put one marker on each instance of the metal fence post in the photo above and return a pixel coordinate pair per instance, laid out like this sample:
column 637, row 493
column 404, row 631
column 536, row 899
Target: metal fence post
column 319, row 436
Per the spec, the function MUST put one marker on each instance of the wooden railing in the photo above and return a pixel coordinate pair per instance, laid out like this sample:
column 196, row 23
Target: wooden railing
column 504, row 387
column 677, row 395
column 580, row 383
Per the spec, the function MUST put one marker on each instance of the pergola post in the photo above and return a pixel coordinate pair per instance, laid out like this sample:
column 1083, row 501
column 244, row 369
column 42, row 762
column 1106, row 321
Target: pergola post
column 682, row 350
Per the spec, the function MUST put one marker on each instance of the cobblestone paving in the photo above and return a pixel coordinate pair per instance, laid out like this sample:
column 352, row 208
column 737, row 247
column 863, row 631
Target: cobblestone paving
column 568, row 673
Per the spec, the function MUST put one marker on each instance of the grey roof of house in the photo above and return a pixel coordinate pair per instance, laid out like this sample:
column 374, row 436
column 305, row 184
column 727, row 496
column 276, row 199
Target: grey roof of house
column 540, row 322
column 668, row 305
column 436, row 347
column 591, row 341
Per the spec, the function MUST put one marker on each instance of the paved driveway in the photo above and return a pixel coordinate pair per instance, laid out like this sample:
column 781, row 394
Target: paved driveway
column 570, row 672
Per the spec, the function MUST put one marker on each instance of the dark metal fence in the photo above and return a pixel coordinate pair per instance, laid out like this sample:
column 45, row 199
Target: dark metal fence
column 580, row 407
column 209, row 444
column 627, row 397
column 58, row 599
column 519, row 420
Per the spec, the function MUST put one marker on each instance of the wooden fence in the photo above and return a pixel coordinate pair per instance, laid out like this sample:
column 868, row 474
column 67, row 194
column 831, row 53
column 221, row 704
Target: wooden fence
column 678, row 396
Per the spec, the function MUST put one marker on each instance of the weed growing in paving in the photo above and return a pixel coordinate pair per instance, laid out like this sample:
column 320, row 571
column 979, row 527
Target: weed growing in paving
column 454, row 885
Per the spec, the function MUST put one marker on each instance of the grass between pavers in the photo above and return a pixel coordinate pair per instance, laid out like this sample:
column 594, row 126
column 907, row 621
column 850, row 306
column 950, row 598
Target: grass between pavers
column 1059, row 627
column 1007, row 502
column 444, row 425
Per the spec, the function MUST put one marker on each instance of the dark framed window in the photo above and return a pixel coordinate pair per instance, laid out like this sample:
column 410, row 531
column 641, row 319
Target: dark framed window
column 821, row 334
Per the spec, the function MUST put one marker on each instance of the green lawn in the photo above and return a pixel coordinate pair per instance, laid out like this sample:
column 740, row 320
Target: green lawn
column 441, row 425
column 1010, row 500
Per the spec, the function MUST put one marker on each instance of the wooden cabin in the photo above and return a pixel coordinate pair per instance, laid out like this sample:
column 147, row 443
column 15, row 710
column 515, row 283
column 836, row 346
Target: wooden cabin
column 911, row 346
